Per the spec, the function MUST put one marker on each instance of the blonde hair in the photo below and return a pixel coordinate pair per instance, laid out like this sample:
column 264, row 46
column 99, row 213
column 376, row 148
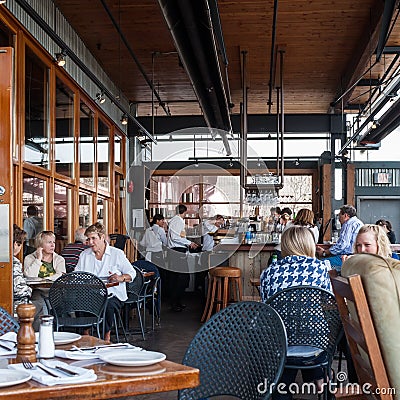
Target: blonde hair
column 304, row 217
column 298, row 241
column 40, row 237
column 96, row 228
column 380, row 236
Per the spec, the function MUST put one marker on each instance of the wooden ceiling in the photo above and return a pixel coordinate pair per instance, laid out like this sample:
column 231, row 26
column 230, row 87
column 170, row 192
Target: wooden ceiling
column 327, row 45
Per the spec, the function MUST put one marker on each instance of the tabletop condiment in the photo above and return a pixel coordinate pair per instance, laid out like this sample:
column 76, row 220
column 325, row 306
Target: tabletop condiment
column 46, row 337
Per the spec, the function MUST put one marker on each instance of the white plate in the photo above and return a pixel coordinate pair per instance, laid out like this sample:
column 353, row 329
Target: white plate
column 62, row 337
column 132, row 358
column 9, row 378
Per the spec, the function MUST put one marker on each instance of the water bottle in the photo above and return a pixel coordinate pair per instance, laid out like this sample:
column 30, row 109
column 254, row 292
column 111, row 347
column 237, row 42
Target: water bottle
column 274, row 258
column 248, row 237
column 46, row 338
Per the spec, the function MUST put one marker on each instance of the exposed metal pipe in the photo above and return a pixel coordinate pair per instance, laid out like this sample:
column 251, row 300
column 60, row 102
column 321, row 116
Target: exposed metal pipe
column 272, row 57
column 386, row 19
column 133, row 55
column 282, row 111
column 192, row 31
column 243, row 131
column 56, row 39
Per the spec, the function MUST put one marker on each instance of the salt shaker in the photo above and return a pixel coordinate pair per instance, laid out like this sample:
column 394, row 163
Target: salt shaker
column 46, row 338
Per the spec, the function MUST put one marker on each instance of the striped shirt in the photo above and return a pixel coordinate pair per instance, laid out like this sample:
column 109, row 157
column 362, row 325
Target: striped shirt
column 71, row 253
column 347, row 237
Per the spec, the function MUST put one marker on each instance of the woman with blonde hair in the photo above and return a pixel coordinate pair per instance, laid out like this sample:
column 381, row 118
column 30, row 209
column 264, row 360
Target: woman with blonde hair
column 305, row 217
column 374, row 240
column 44, row 262
column 299, row 267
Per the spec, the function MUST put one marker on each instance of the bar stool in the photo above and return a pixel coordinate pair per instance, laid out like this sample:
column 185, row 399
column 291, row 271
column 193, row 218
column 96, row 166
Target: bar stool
column 221, row 280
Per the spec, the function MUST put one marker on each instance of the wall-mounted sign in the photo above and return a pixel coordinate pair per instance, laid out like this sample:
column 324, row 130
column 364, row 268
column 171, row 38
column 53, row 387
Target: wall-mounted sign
column 382, row 177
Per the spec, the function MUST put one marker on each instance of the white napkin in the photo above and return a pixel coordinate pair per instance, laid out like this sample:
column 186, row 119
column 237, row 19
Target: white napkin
column 9, row 337
column 85, row 375
column 89, row 354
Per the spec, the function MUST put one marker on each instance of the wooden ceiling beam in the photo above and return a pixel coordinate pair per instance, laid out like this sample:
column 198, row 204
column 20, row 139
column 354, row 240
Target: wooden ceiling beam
column 361, row 57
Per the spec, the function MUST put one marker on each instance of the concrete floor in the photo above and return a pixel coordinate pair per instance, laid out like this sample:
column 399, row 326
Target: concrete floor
column 172, row 337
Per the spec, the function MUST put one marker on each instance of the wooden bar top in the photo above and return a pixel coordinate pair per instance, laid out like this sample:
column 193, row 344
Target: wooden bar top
column 108, row 385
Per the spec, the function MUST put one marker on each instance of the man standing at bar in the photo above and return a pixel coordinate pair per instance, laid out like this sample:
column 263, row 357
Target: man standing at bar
column 344, row 246
column 178, row 275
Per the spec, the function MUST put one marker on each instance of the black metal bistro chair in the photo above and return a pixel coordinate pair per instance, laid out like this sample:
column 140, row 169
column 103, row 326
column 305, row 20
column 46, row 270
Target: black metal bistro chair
column 135, row 291
column 313, row 327
column 78, row 300
column 240, row 352
column 7, row 322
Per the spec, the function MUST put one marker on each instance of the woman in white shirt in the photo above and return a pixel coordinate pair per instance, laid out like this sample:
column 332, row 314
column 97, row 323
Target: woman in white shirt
column 154, row 239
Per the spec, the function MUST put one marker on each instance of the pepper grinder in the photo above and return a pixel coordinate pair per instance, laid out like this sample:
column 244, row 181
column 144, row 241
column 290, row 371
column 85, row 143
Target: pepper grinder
column 26, row 334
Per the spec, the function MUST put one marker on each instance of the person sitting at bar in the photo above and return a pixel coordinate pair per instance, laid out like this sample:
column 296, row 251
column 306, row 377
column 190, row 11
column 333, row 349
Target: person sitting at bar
column 22, row 292
column 104, row 260
column 72, row 251
column 387, row 227
column 344, row 246
column 298, row 267
column 305, row 217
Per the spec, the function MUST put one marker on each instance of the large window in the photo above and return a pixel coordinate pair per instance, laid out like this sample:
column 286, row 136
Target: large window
column 36, row 110
column 33, row 205
column 62, row 215
column 85, row 209
column 86, row 145
column 64, row 140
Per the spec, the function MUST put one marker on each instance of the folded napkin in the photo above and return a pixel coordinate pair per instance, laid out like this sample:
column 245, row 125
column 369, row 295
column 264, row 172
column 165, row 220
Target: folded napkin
column 85, row 375
column 9, row 341
column 92, row 353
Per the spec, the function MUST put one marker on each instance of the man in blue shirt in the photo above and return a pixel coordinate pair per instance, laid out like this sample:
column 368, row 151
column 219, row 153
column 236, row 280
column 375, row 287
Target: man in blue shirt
column 344, row 246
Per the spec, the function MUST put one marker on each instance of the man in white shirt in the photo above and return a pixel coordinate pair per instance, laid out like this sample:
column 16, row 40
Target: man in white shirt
column 103, row 260
column 178, row 277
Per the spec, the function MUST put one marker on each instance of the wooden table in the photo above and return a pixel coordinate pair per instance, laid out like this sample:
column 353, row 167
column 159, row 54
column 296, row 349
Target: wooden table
column 46, row 283
column 175, row 377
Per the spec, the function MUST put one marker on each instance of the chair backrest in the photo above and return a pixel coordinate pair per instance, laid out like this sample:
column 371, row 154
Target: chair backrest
column 310, row 316
column 78, row 291
column 136, row 288
column 240, row 352
column 7, row 322
column 360, row 333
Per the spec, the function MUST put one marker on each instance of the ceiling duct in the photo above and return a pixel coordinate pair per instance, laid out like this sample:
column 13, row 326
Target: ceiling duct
column 191, row 27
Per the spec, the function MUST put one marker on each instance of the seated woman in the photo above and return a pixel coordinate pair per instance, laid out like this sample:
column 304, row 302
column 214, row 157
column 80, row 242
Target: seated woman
column 374, row 240
column 298, row 267
column 387, row 227
column 103, row 260
column 22, row 292
column 305, row 217
column 44, row 262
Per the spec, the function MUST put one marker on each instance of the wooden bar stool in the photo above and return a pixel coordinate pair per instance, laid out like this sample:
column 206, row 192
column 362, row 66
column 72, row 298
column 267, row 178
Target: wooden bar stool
column 222, row 279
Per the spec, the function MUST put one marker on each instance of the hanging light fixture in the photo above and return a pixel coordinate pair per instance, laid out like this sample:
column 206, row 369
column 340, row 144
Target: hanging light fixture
column 375, row 124
column 61, row 58
column 100, row 97
column 124, row 119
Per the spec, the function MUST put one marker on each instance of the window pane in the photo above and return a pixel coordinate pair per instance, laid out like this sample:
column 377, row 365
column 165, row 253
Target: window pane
column 117, row 150
column 86, row 145
column 85, row 209
column 64, row 141
column 103, row 156
column 102, row 212
column 33, row 201
column 61, row 216
column 36, row 110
